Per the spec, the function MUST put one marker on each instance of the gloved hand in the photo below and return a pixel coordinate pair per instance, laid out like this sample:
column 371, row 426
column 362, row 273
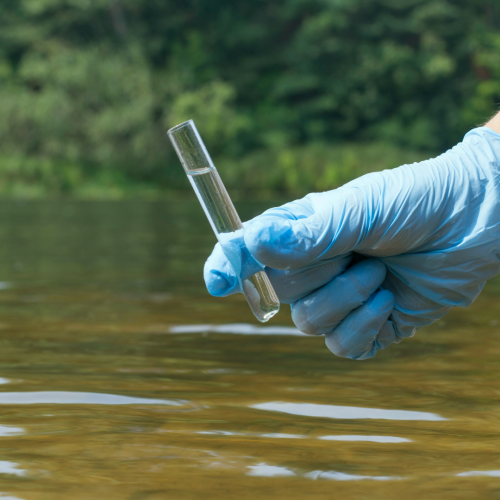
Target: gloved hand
column 433, row 225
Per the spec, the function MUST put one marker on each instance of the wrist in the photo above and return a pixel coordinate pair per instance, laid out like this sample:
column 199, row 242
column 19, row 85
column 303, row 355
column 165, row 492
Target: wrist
column 494, row 123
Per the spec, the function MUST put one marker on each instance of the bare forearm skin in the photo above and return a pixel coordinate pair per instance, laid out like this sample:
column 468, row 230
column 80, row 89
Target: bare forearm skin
column 494, row 123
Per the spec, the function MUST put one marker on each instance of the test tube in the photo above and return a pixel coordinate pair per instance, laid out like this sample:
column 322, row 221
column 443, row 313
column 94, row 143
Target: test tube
column 221, row 213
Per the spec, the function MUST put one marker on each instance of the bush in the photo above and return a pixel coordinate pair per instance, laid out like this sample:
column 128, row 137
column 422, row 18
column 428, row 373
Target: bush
column 319, row 90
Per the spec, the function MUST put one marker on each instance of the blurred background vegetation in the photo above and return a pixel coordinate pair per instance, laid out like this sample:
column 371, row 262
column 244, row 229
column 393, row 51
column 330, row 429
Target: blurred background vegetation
column 289, row 95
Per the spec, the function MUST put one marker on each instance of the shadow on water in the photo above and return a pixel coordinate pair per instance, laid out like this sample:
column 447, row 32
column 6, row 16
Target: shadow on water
column 123, row 379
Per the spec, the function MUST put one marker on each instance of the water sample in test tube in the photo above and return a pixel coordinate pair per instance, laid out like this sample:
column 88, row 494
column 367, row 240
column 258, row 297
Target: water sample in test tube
column 222, row 215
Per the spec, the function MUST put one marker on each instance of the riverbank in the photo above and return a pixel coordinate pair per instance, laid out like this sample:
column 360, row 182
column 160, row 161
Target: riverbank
column 264, row 174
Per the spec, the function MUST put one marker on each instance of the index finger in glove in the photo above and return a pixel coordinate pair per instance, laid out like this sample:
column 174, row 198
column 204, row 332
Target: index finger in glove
column 290, row 286
column 220, row 278
column 380, row 214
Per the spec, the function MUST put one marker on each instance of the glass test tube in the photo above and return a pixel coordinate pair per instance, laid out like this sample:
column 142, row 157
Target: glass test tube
column 220, row 210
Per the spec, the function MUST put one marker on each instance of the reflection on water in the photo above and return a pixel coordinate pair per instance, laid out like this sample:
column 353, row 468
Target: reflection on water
column 126, row 380
column 368, row 439
column 278, row 435
column 345, row 412
column 78, row 398
column 220, row 433
column 489, row 473
column 237, row 329
column 10, row 430
column 264, row 470
column 11, row 468
column 340, row 476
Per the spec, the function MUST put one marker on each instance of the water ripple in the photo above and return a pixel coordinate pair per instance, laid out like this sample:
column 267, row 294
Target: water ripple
column 277, row 435
column 11, row 468
column 10, row 430
column 345, row 412
column 370, row 439
column 341, row 476
column 79, row 398
column 237, row 329
column 264, row 470
column 472, row 473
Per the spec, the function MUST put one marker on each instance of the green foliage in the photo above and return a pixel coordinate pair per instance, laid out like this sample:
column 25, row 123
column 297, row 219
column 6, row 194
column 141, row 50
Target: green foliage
column 290, row 95
column 486, row 97
column 313, row 167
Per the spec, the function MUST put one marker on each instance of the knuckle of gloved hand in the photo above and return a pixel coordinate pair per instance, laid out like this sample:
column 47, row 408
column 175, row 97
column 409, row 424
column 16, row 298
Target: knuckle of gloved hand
column 368, row 275
column 263, row 238
column 381, row 303
column 369, row 353
column 333, row 343
column 218, row 277
column 356, row 351
column 301, row 319
column 216, row 284
column 387, row 335
column 406, row 325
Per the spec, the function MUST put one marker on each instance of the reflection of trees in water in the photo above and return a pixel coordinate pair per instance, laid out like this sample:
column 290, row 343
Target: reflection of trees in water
column 63, row 242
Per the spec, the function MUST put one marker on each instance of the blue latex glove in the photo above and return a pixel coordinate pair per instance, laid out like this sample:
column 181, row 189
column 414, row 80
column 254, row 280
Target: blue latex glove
column 434, row 226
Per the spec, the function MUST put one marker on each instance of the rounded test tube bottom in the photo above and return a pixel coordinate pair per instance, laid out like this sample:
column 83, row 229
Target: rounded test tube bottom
column 261, row 296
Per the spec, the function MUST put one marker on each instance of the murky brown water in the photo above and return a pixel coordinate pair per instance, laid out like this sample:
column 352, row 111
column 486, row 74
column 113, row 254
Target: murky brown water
column 111, row 389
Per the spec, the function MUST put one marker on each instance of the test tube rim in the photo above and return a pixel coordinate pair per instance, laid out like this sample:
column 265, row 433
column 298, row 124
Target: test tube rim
column 181, row 125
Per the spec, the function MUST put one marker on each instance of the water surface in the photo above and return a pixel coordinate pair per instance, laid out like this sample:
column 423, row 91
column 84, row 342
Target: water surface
column 121, row 378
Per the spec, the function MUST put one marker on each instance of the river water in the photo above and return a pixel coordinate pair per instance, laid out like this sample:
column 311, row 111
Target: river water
column 121, row 378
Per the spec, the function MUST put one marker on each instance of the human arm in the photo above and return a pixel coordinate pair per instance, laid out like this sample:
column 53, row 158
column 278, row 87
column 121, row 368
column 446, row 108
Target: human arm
column 494, row 123
column 434, row 225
